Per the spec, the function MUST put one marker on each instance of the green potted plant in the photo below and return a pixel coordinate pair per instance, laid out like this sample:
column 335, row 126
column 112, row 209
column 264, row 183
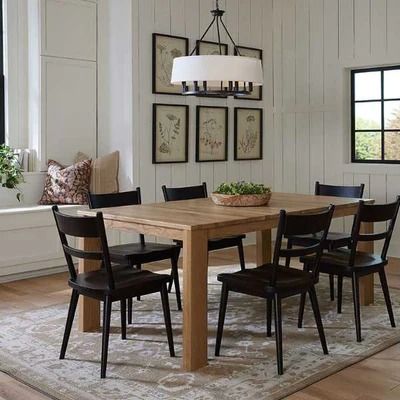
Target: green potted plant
column 241, row 194
column 10, row 170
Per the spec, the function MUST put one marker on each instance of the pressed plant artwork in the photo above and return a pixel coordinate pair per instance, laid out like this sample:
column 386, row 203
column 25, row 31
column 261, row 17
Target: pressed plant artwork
column 248, row 133
column 165, row 49
column 212, row 134
column 170, row 133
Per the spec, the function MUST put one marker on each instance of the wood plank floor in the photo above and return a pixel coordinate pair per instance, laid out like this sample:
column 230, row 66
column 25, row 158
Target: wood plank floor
column 376, row 378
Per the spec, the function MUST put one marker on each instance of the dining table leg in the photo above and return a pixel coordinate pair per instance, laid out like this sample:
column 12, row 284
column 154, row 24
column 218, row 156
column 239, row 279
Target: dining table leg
column 263, row 247
column 195, row 325
column 89, row 309
column 366, row 282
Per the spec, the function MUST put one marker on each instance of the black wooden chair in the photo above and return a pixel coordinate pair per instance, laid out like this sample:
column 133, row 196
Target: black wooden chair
column 198, row 192
column 334, row 240
column 136, row 254
column 274, row 282
column 350, row 263
column 108, row 284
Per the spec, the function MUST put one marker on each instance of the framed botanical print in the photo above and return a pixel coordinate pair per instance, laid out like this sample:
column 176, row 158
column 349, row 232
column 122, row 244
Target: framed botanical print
column 165, row 49
column 254, row 53
column 205, row 48
column 248, row 133
column 170, row 133
column 211, row 134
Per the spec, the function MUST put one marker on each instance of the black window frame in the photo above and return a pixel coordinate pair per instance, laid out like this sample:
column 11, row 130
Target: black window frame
column 382, row 101
column 2, row 94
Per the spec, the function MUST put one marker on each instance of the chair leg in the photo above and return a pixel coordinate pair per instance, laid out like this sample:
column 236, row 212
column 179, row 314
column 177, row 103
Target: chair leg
column 139, row 267
column 175, row 278
column 167, row 319
column 123, row 319
column 241, row 255
column 106, row 335
column 318, row 321
column 70, row 319
column 221, row 318
column 301, row 310
column 339, row 293
column 172, row 271
column 356, row 302
column 130, row 310
column 278, row 332
column 269, row 317
column 388, row 302
column 332, row 287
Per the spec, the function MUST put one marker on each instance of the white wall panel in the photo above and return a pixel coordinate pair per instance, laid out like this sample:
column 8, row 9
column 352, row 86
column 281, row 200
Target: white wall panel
column 68, row 108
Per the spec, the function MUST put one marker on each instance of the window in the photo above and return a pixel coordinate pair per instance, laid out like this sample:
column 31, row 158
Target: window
column 2, row 114
column 375, row 120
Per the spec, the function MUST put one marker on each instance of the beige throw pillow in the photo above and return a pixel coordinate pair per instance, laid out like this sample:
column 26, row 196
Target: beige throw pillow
column 104, row 177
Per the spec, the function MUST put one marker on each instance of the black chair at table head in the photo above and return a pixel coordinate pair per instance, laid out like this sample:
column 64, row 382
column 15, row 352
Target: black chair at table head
column 107, row 284
column 274, row 282
column 142, row 252
column 199, row 192
column 334, row 240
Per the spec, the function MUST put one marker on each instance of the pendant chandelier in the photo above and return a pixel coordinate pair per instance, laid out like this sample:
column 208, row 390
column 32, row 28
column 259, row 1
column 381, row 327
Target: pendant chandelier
column 217, row 75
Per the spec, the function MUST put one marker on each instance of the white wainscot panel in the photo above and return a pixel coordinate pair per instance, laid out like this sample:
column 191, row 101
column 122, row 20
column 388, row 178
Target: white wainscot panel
column 69, row 29
column 68, row 109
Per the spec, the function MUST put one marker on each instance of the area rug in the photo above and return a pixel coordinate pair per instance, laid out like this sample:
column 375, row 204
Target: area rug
column 140, row 367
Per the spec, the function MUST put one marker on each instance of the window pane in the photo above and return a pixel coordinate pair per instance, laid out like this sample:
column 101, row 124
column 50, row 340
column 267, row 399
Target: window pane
column 392, row 114
column 392, row 146
column 367, row 85
column 392, row 84
column 368, row 145
column 368, row 115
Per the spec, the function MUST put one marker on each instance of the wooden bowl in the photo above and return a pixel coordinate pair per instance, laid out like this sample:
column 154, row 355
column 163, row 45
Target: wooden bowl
column 242, row 200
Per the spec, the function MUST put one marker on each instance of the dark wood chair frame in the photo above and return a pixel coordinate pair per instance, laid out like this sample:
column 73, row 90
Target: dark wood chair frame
column 366, row 213
column 267, row 281
column 123, row 254
column 334, row 240
column 103, row 284
column 199, row 192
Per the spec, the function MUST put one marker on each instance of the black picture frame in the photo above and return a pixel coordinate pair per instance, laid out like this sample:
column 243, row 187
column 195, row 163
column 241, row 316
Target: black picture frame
column 216, row 44
column 156, row 159
column 198, row 138
column 175, row 90
column 236, row 153
column 259, row 88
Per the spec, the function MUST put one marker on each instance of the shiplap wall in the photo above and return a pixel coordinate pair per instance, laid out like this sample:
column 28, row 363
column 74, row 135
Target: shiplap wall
column 309, row 47
column 315, row 44
column 246, row 20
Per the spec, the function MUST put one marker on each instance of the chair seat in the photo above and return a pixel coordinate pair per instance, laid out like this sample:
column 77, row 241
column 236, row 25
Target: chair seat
column 142, row 253
column 257, row 281
column 334, row 240
column 337, row 262
column 220, row 243
column 126, row 279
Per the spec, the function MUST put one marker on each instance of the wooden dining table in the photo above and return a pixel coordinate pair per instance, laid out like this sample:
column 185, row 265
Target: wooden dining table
column 194, row 222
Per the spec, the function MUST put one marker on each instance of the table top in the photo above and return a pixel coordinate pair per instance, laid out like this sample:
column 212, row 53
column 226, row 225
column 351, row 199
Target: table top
column 200, row 214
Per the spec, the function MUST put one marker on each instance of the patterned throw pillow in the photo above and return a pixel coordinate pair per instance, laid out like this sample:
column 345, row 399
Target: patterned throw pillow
column 66, row 185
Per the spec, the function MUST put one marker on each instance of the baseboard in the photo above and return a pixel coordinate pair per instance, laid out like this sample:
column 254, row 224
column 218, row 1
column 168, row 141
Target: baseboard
column 33, row 274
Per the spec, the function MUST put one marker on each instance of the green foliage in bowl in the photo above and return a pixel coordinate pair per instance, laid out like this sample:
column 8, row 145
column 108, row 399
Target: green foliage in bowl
column 242, row 188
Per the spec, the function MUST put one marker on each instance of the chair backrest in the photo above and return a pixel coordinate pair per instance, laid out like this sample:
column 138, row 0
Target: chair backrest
column 302, row 224
column 185, row 193
column 339, row 191
column 116, row 200
column 83, row 227
column 369, row 213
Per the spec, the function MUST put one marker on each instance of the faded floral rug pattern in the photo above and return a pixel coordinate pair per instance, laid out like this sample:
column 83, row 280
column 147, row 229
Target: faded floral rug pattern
column 140, row 367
